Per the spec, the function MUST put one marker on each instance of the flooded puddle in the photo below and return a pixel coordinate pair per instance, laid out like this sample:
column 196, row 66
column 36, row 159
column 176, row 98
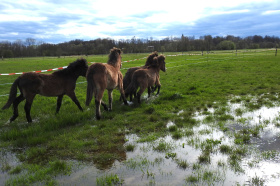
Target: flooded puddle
column 7, row 160
column 268, row 119
column 179, row 161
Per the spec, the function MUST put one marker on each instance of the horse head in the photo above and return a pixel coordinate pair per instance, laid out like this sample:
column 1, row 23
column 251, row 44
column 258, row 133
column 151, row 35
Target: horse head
column 115, row 57
column 150, row 58
column 161, row 61
column 79, row 66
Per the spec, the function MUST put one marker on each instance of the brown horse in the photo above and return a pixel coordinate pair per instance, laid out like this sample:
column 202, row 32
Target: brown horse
column 102, row 76
column 146, row 78
column 128, row 75
column 57, row 84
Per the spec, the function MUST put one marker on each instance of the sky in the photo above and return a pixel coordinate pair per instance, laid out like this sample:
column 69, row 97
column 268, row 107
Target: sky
column 57, row 21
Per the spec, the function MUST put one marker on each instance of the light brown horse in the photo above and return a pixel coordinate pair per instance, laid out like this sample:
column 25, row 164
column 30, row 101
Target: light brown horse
column 128, row 75
column 102, row 76
column 57, row 84
column 146, row 78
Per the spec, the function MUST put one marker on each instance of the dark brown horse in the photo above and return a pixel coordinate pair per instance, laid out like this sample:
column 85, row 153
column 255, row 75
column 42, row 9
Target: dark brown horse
column 102, row 76
column 147, row 78
column 128, row 75
column 57, row 84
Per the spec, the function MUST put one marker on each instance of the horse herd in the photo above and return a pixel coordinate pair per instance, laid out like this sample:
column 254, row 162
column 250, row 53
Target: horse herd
column 100, row 76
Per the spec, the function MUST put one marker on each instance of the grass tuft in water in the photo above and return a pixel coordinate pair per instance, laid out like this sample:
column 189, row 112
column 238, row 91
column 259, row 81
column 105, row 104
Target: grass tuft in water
column 177, row 135
column 204, row 158
column 182, row 164
column 192, row 179
column 225, row 149
column 130, row 147
column 270, row 155
column 16, row 170
column 162, row 146
column 108, row 180
column 257, row 181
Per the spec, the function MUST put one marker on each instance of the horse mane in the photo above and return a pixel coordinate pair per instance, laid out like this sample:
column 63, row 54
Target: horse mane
column 150, row 58
column 113, row 56
column 154, row 63
column 72, row 67
column 161, row 58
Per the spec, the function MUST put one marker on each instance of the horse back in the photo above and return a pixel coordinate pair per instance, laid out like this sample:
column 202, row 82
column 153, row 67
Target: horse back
column 45, row 84
column 145, row 76
column 128, row 75
column 104, row 76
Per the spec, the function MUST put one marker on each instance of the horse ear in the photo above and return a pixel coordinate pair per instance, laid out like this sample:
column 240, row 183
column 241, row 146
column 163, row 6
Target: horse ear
column 155, row 61
column 156, row 53
column 119, row 51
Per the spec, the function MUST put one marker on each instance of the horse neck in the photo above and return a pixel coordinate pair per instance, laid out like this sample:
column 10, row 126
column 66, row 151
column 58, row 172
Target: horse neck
column 155, row 69
column 116, row 64
column 66, row 73
column 74, row 75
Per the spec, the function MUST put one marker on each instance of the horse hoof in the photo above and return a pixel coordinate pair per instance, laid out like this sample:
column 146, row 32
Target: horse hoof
column 129, row 103
column 7, row 123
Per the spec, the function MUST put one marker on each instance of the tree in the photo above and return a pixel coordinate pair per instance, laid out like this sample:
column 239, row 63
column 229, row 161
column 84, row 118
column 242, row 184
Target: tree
column 7, row 54
column 226, row 45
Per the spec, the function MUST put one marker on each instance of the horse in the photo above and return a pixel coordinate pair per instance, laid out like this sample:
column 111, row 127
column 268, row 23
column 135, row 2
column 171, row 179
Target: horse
column 101, row 76
column 58, row 83
column 146, row 78
column 128, row 75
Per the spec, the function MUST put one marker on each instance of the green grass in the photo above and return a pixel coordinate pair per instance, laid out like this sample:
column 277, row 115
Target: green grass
column 190, row 84
column 182, row 163
column 109, row 180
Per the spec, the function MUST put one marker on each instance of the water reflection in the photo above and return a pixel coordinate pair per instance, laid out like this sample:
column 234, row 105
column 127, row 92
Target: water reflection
column 7, row 161
column 147, row 165
column 104, row 158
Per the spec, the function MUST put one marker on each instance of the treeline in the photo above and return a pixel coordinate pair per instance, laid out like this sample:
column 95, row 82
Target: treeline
column 31, row 48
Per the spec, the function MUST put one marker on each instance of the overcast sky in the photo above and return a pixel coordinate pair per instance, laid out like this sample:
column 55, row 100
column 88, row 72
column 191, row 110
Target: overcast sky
column 56, row 21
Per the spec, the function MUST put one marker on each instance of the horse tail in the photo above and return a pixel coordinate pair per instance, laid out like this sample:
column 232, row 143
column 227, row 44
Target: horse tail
column 90, row 87
column 126, row 82
column 132, row 87
column 13, row 94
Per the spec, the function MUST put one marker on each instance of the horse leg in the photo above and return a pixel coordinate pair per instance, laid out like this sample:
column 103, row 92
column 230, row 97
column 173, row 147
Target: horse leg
column 158, row 89
column 139, row 93
column 16, row 102
column 158, row 85
column 149, row 91
column 153, row 88
column 58, row 105
column 72, row 95
column 123, row 96
column 98, row 101
column 110, row 95
column 27, row 107
column 120, row 86
column 97, row 109
column 135, row 93
column 104, row 105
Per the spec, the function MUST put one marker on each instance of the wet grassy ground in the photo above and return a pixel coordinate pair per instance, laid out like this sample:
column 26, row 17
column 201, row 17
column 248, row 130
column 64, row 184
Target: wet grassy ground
column 190, row 134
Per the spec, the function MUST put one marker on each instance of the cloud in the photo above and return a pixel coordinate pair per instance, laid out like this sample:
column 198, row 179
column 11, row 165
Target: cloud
column 58, row 21
column 268, row 12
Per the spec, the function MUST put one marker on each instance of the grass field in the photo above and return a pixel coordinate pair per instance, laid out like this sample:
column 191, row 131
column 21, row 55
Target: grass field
column 188, row 135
